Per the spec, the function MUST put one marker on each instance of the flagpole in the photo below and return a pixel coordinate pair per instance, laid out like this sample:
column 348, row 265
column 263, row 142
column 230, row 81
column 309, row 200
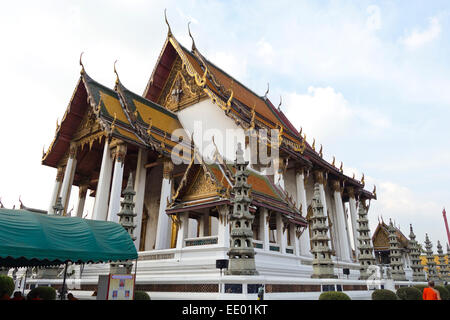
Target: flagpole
column 446, row 225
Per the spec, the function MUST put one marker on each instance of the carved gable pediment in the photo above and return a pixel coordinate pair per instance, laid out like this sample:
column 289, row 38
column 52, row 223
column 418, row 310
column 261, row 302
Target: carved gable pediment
column 180, row 91
column 381, row 240
column 202, row 187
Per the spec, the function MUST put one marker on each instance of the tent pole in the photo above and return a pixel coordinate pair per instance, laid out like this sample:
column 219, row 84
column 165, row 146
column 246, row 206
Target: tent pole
column 64, row 283
column 25, row 281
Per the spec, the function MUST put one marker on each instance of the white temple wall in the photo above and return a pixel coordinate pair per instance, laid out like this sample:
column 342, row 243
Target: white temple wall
column 152, row 201
column 206, row 120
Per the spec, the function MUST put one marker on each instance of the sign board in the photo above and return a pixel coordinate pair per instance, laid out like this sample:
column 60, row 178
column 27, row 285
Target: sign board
column 120, row 287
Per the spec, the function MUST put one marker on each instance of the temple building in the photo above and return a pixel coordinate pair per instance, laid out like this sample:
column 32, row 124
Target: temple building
column 188, row 195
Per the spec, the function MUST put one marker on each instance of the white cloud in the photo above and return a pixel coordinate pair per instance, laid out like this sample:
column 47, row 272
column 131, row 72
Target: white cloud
column 325, row 114
column 230, row 63
column 419, row 38
column 265, row 51
column 373, row 21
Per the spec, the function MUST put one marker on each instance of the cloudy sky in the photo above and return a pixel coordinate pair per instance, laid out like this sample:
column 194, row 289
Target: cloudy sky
column 367, row 79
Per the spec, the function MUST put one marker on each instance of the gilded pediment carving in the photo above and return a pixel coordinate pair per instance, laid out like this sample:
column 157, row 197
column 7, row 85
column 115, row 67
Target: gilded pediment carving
column 180, row 91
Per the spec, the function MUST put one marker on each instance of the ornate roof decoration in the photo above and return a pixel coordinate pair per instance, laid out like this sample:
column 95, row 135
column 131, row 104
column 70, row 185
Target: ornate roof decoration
column 120, row 113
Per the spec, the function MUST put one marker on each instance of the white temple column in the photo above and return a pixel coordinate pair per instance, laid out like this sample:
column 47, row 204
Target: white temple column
column 104, row 182
column 163, row 229
column 347, row 230
column 68, row 177
column 56, row 189
column 81, row 200
column 119, row 153
column 183, row 229
column 305, row 243
column 340, row 220
column 264, row 228
column 224, row 227
column 353, row 216
column 139, row 187
column 294, row 239
column 281, row 235
column 204, row 225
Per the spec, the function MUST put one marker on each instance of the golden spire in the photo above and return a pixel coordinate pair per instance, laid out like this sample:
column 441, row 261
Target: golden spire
column 267, row 91
column 81, row 63
column 252, row 120
column 374, row 190
column 113, row 124
column 320, row 151
column 193, row 42
column 334, row 160
column 231, row 95
column 300, row 133
column 280, row 134
column 362, row 180
column 169, row 32
column 115, row 71
column 314, row 144
column 341, row 169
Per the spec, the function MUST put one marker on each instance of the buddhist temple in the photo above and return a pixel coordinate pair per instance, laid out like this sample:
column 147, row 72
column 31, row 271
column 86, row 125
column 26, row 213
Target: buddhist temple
column 192, row 204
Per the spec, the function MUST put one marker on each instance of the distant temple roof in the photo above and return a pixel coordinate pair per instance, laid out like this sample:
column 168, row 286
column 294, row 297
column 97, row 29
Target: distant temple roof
column 380, row 238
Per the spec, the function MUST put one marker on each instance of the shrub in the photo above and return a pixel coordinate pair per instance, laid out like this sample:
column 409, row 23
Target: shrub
column 443, row 292
column 409, row 293
column 420, row 287
column 334, row 295
column 45, row 293
column 141, row 295
column 383, row 294
column 6, row 285
column 447, row 287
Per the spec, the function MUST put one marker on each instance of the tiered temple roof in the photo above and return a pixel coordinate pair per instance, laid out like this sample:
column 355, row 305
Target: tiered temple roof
column 241, row 104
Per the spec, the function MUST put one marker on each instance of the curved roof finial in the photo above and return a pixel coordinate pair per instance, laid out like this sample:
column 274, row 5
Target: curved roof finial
column 115, row 71
column 279, row 105
column 190, row 35
column 267, row 91
column 81, row 63
column 169, row 32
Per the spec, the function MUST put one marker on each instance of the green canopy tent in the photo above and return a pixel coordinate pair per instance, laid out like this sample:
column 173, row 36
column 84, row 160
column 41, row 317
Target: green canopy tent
column 34, row 239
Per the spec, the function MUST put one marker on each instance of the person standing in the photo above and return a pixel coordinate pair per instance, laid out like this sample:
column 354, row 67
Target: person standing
column 430, row 293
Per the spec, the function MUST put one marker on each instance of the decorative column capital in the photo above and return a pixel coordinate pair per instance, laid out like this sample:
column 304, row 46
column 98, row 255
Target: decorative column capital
column 351, row 192
column 73, row 150
column 118, row 150
column 167, row 169
column 82, row 190
column 60, row 173
column 336, row 186
column 300, row 171
column 318, row 177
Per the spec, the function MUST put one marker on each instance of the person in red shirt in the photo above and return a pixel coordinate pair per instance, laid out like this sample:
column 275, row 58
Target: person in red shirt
column 17, row 296
column 431, row 293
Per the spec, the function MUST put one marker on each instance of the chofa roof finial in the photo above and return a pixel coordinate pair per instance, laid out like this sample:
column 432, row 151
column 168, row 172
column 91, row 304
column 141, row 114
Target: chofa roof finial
column 190, row 35
column 81, row 63
column 169, row 32
column 115, row 71
column 267, row 92
column 279, row 105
